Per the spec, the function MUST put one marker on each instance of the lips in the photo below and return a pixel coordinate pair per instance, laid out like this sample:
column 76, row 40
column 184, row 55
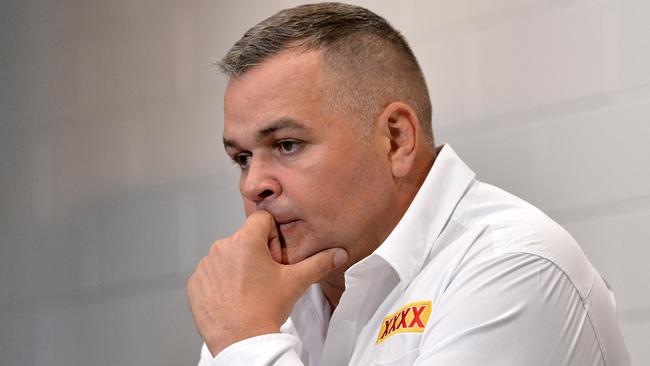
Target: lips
column 284, row 218
column 286, row 224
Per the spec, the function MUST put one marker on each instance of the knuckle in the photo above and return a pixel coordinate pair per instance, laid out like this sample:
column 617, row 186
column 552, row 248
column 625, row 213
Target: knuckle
column 245, row 230
column 191, row 285
column 237, row 236
column 215, row 246
column 204, row 262
column 200, row 268
column 244, row 235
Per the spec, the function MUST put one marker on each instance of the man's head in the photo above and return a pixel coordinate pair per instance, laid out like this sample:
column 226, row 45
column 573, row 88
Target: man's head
column 323, row 114
column 366, row 62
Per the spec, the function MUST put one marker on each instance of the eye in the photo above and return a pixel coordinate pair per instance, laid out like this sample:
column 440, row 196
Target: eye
column 288, row 146
column 242, row 159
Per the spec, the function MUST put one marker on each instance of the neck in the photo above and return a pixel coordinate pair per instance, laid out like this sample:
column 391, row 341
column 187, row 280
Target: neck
column 333, row 287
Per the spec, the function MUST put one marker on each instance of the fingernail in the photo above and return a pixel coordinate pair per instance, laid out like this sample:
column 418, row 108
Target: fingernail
column 340, row 257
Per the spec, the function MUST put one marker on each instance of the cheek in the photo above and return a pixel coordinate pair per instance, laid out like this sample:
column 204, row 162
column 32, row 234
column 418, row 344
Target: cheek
column 334, row 194
column 332, row 188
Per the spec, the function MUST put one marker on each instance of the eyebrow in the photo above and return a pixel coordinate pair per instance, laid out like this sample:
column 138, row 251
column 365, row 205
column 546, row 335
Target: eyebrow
column 280, row 124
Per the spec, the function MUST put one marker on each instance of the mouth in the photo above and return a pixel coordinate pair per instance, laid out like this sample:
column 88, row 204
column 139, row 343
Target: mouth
column 287, row 224
column 285, row 227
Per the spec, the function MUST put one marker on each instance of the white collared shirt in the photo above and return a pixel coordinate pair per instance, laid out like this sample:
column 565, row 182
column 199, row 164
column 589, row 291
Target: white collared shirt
column 471, row 275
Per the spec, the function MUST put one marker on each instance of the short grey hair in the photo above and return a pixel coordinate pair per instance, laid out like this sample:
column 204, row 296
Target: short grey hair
column 368, row 61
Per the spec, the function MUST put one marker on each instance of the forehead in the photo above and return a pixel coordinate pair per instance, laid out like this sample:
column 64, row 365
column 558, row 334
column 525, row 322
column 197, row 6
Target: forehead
column 287, row 85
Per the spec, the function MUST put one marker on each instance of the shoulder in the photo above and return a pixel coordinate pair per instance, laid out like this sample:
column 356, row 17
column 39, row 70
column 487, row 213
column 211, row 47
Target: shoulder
column 511, row 226
column 506, row 274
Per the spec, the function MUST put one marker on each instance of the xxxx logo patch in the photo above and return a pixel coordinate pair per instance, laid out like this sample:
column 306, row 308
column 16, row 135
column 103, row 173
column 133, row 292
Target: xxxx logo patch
column 411, row 318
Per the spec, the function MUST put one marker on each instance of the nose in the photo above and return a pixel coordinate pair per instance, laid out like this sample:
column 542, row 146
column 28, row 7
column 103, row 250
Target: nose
column 259, row 183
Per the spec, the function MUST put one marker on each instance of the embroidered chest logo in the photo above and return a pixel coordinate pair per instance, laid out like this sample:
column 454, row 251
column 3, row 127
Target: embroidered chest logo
column 411, row 318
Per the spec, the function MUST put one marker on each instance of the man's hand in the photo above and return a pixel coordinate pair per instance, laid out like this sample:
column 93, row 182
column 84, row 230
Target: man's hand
column 240, row 289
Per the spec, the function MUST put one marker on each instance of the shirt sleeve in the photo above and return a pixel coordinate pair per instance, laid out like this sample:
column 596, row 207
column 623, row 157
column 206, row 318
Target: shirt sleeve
column 269, row 349
column 513, row 309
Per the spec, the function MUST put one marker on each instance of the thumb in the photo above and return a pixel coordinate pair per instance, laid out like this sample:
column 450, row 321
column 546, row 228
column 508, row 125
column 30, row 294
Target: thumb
column 314, row 268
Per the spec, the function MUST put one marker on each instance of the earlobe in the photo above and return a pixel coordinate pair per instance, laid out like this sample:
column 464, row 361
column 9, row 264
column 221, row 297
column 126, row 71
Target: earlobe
column 403, row 127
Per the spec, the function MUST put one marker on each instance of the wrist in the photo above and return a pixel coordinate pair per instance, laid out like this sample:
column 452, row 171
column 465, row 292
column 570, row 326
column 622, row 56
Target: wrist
column 219, row 342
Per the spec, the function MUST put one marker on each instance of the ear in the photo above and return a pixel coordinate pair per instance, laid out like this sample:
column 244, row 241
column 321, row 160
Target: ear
column 401, row 126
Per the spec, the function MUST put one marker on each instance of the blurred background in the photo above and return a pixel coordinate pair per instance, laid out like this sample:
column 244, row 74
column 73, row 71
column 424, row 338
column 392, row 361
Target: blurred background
column 114, row 182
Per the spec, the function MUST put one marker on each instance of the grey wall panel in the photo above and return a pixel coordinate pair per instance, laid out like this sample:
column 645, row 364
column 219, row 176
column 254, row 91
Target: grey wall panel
column 115, row 183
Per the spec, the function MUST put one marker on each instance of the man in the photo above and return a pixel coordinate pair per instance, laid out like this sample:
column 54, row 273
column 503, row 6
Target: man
column 365, row 244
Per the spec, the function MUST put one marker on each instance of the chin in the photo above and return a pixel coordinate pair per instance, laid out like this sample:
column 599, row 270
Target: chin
column 295, row 255
column 298, row 243
column 299, row 250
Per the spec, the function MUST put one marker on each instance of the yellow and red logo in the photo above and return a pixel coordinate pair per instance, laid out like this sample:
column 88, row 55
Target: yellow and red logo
column 411, row 318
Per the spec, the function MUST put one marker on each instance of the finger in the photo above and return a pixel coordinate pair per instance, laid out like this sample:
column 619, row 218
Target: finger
column 275, row 247
column 314, row 268
column 262, row 224
column 214, row 247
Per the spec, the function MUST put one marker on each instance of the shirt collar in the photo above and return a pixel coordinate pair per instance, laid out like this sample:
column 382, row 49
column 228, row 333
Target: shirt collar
column 408, row 245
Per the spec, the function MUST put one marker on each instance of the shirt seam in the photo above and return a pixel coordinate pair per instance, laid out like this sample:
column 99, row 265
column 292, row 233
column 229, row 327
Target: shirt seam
column 548, row 259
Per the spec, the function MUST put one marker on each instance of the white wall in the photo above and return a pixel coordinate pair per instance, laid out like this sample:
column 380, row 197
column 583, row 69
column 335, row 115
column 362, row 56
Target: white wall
column 114, row 182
